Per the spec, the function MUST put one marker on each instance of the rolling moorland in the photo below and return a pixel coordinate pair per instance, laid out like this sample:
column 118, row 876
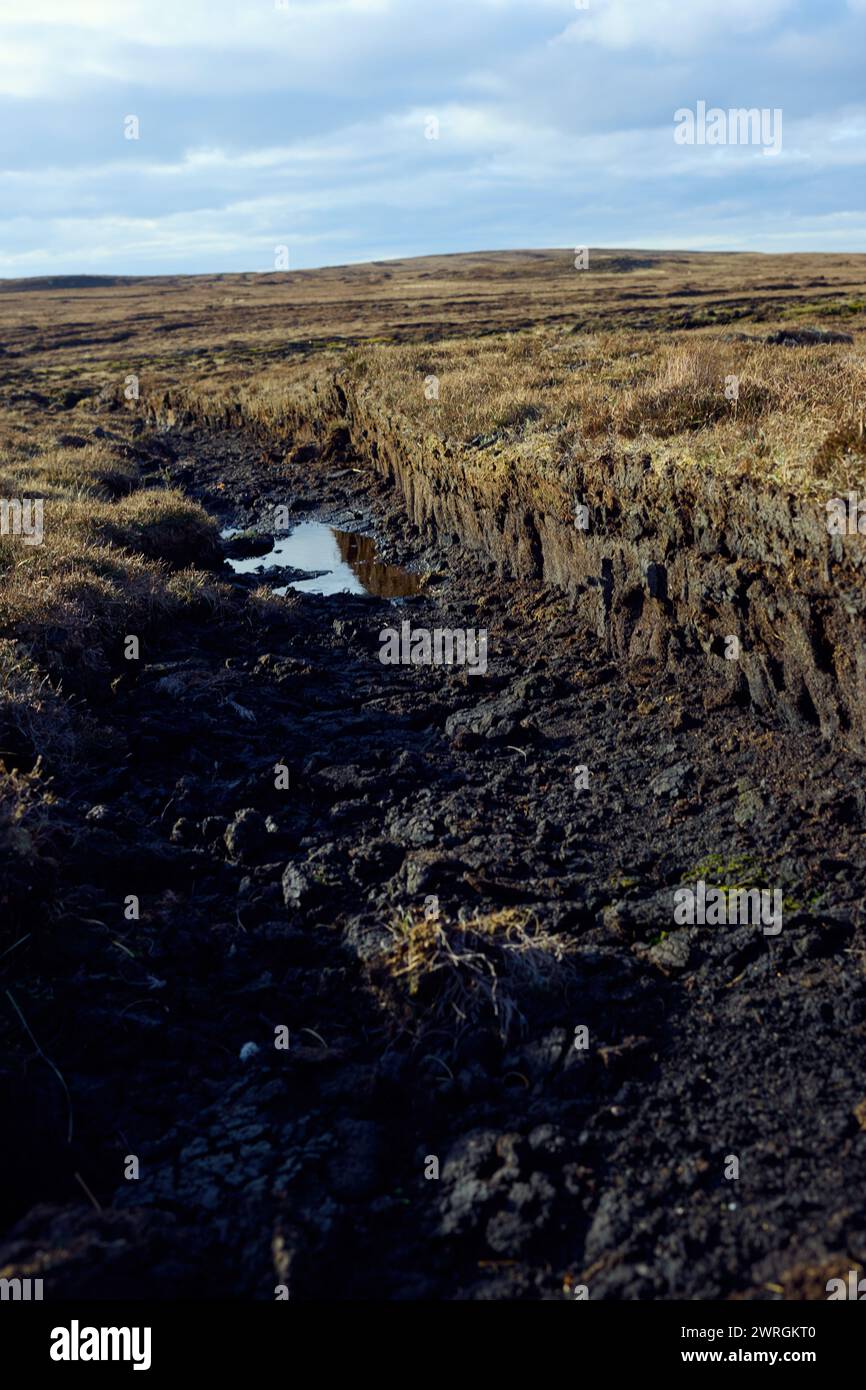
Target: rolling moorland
column 224, row 821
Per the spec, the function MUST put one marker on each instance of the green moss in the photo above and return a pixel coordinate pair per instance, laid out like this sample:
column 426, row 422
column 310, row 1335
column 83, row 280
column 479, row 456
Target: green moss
column 729, row 871
column 622, row 882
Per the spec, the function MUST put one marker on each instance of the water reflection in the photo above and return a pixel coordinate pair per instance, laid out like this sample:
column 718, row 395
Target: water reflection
column 385, row 581
column 348, row 560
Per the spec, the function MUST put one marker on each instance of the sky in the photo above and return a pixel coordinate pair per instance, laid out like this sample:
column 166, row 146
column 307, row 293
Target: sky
column 355, row 130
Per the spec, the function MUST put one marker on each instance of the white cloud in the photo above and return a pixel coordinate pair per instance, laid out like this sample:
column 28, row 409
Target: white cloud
column 52, row 46
column 674, row 25
column 307, row 125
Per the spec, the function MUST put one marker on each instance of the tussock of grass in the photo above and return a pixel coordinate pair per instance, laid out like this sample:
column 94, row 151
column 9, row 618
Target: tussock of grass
column 687, row 393
column 57, row 473
column 453, row 976
column 71, row 601
column 104, row 569
column 160, row 524
column 842, row 455
column 101, row 572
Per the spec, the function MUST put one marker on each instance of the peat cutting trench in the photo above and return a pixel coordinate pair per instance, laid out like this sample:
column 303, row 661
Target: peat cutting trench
column 433, row 905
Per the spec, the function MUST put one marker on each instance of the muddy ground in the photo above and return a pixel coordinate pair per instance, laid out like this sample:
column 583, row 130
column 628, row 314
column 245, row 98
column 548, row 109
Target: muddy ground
column 262, row 907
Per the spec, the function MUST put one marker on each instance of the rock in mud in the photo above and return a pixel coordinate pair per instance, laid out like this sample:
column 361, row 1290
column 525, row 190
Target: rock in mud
column 673, row 952
column 300, row 889
column 246, row 838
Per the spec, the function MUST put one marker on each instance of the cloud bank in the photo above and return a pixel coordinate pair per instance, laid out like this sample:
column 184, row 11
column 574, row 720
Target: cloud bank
column 348, row 130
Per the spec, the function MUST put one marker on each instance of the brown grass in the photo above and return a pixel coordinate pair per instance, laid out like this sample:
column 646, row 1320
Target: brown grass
column 538, row 400
column 446, row 977
column 540, row 369
column 115, row 559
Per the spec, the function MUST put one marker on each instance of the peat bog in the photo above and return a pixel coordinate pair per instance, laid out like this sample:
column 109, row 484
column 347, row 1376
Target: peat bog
column 287, row 923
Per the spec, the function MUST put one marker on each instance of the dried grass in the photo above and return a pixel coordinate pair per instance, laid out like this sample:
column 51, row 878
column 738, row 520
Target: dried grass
column 443, row 976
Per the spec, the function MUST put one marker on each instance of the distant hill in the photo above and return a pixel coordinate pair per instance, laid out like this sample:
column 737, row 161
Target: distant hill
column 68, row 282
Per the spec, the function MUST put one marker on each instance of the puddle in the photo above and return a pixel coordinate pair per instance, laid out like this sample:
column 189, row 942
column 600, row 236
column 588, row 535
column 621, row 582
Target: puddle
column 348, row 559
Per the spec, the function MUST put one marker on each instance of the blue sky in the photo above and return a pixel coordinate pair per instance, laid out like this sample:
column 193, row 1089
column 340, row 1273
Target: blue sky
column 303, row 123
